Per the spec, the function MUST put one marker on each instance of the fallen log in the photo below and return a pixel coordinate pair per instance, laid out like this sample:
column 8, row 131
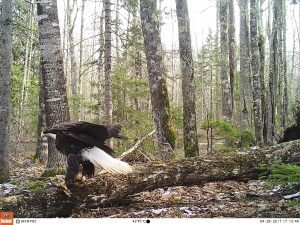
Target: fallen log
column 106, row 189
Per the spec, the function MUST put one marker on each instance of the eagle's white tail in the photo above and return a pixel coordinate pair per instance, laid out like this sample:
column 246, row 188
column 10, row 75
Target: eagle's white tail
column 100, row 158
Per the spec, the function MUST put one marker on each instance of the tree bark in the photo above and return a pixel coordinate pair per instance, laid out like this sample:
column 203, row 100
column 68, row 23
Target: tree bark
column 255, row 66
column 108, row 190
column 156, row 74
column 285, row 96
column 56, row 102
column 225, row 86
column 80, row 69
column 262, row 60
column 5, row 86
column 100, row 67
column 273, row 77
column 245, row 70
column 70, row 27
column 190, row 137
column 40, row 153
column 107, row 65
column 231, row 44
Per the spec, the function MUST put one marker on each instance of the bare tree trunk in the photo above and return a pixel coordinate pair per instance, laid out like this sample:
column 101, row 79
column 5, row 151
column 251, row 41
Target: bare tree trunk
column 245, row 70
column 40, row 153
column 190, row 137
column 285, row 99
column 27, row 65
column 100, row 66
column 273, row 76
column 231, row 39
column 156, row 74
column 56, row 102
column 70, row 28
column 80, row 69
column 255, row 70
column 217, row 51
column 298, row 79
column 261, row 46
column 5, row 89
column 107, row 64
column 279, row 95
column 117, row 27
column 138, row 75
column 226, row 99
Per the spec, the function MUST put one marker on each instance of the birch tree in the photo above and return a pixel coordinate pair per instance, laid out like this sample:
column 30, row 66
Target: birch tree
column 156, row 72
column 255, row 70
column 188, row 83
column 5, row 86
column 54, row 84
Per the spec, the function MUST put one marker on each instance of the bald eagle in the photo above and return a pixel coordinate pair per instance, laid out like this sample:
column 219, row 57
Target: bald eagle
column 84, row 144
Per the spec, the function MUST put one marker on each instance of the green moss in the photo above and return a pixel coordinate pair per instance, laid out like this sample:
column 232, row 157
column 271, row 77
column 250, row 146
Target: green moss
column 36, row 186
column 10, row 199
column 191, row 150
column 246, row 139
column 293, row 204
column 53, row 172
column 226, row 149
column 171, row 137
column 285, row 173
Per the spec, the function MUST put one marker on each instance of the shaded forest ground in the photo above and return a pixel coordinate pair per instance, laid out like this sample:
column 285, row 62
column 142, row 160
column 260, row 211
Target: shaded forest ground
column 254, row 198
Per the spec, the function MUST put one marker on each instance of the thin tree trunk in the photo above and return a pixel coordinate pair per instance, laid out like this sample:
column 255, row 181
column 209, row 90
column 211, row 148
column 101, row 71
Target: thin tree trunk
column 273, row 76
column 73, row 64
column 255, row 70
column 40, row 153
column 298, row 79
column 231, row 39
column 138, row 76
column 5, row 89
column 100, row 66
column 27, row 65
column 217, row 52
column 107, row 65
column 225, row 83
column 80, row 69
column 245, row 70
column 261, row 46
column 285, row 99
column 156, row 74
column 56, row 102
column 279, row 96
column 190, row 138
column 117, row 27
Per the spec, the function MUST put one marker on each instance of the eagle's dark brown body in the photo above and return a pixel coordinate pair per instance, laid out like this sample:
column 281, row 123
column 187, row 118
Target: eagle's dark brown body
column 73, row 138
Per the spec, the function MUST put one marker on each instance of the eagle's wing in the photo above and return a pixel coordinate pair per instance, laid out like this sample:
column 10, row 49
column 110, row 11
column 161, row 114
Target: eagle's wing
column 88, row 133
column 96, row 131
column 88, row 140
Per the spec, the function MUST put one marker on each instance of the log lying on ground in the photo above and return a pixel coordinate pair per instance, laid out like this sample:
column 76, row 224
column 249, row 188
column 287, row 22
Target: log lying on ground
column 106, row 190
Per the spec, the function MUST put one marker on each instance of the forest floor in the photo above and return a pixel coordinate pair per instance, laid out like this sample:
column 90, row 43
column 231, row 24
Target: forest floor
column 255, row 198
